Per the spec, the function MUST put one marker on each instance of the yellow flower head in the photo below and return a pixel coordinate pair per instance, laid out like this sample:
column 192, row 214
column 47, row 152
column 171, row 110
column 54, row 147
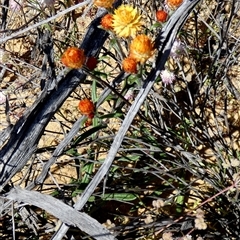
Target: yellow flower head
column 141, row 48
column 104, row 3
column 126, row 21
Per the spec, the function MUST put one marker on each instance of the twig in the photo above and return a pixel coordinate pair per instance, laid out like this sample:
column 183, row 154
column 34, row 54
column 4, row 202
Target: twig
column 2, row 40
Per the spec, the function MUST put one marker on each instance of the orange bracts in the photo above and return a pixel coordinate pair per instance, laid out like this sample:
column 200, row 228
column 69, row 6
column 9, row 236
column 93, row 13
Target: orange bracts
column 174, row 3
column 107, row 21
column 161, row 16
column 86, row 107
column 129, row 65
column 141, row 48
column 73, row 57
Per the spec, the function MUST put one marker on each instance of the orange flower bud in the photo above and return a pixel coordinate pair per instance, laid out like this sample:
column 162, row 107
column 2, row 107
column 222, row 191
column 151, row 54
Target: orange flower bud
column 104, row 3
column 86, row 107
column 129, row 65
column 174, row 3
column 91, row 115
column 107, row 21
column 161, row 16
column 88, row 122
column 141, row 48
column 91, row 63
column 73, row 57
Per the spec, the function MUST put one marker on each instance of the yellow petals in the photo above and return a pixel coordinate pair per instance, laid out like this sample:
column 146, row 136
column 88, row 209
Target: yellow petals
column 126, row 21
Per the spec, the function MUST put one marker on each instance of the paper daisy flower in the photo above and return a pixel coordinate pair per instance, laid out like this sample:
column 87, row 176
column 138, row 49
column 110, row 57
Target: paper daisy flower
column 86, row 107
column 174, row 4
column 126, row 21
column 129, row 95
column 200, row 224
column 129, row 65
column 104, row 3
column 73, row 57
column 177, row 49
column 167, row 77
column 161, row 15
column 107, row 21
column 15, row 5
column 141, row 48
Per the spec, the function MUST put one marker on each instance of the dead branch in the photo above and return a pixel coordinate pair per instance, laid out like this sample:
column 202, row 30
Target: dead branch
column 61, row 211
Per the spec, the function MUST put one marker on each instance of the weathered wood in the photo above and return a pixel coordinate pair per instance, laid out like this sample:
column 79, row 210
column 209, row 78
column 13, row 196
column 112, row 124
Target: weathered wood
column 62, row 211
column 28, row 130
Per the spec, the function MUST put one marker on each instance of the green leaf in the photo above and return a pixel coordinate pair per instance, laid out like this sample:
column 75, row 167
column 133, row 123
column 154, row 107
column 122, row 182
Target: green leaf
column 88, row 133
column 88, row 169
column 129, row 158
column 158, row 193
column 72, row 152
column 180, row 202
column 112, row 115
column 119, row 197
column 133, row 79
column 94, row 91
column 78, row 192
column 55, row 193
column 100, row 74
column 155, row 25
